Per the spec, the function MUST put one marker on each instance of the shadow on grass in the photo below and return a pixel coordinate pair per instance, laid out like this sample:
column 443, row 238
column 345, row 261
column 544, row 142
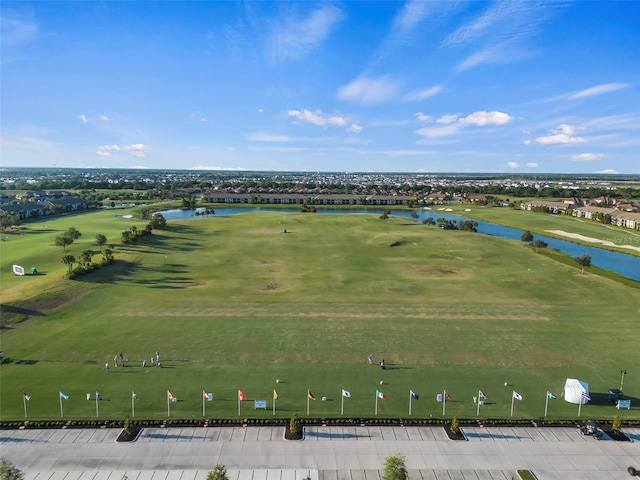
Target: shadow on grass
column 338, row 436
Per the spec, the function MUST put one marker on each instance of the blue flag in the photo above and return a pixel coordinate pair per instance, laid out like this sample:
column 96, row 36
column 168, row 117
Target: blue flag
column 414, row 395
column 551, row 396
column 63, row 396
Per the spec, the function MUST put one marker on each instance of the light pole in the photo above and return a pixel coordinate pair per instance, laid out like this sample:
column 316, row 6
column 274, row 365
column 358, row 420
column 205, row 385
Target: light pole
column 622, row 374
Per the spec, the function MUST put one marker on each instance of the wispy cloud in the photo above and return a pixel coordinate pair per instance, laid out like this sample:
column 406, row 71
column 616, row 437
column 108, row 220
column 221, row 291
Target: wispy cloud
column 15, row 31
column 83, row 118
column 318, row 118
column 598, row 90
column 418, row 95
column 293, row 36
column 483, row 118
column 498, row 34
column 369, row 91
column 267, row 137
column 587, row 157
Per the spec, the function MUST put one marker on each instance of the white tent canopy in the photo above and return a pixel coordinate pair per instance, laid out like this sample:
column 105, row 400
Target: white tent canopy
column 573, row 390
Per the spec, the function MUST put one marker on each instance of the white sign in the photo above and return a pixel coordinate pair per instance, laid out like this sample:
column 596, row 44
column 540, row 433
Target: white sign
column 18, row 270
column 624, row 404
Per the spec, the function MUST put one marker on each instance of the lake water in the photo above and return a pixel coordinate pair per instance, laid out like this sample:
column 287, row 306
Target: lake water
column 624, row 264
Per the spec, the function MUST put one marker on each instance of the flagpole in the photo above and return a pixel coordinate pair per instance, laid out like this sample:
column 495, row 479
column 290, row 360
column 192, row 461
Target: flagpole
column 546, row 404
column 133, row 405
column 274, row 405
column 238, row 403
column 308, row 403
column 203, row 408
column 444, row 402
column 168, row 405
column 24, row 400
column 97, row 413
column 376, row 403
column 478, row 400
column 62, row 413
column 579, row 406
column 512, row 399
column 409, row 403
column 342, row 404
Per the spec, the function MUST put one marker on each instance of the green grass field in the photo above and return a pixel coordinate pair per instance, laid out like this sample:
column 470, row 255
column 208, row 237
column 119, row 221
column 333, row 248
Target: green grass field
column 234, row 303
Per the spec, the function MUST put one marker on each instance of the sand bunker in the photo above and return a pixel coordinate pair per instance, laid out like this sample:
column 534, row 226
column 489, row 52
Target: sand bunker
column 576, row 236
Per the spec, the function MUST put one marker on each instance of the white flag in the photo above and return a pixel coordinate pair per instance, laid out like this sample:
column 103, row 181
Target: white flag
column 517, row 396
column 346, row 394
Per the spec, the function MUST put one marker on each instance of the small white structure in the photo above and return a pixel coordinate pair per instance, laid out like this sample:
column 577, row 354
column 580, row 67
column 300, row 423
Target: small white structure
column 574, row 390
column 18, row 270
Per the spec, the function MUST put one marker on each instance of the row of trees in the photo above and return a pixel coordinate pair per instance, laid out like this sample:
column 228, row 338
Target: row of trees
column 527, row 237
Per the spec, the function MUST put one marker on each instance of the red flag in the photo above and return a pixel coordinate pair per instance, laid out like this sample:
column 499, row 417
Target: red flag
column 171, row 397
column 447, row 396
column 241, row 395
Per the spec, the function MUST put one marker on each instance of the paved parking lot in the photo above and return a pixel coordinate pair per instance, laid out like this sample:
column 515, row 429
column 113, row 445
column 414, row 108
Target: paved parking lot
column 327, row 453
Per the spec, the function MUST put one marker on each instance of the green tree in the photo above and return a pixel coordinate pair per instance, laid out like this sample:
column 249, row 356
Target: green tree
column 395, row 468
column 527, row 237
column 414, row 214
column 63, row 241
column 101, row 239
column 73, row 233
column 68, row 260
column 616, row 424
column 538, row 244
column 584, row 261
column 107, row 256
column 9, row 472
column 85, row 259
column 294, row 424
column 219, row 472
column 455, row 425
column 158, row 221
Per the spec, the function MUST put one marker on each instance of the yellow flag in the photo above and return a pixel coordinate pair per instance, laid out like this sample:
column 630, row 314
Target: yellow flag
column 275, row 395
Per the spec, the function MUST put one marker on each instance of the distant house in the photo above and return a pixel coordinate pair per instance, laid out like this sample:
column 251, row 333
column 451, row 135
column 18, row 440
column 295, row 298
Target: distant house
column 477, row 197
column 435, row 197
column 389, row 199
column 283, row 198
column 326, row 199
column 224, row 197
column 552, row 207
column 69, row 204
column 589, row 211
column 25, row 210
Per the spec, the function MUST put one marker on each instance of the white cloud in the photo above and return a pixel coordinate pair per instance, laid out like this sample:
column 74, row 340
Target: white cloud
column 446, row 119
column 355, row 128
column 418, row 95
column 369, row 91
column 104, row 118
column 483, row 118
column 293, row 37
column 83, row 118
column 598, row 90
column 562, row 134
column 587, row 157
column 532, row 164
column 512, row 165
column 138, row 150
column 317, row 118
column 423, row 118
column 608, row 171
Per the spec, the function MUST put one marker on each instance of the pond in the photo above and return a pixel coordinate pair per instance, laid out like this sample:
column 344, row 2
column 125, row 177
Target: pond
column 622, row 263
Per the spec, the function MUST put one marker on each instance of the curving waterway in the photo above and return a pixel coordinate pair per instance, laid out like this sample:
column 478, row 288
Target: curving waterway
column 622, row 263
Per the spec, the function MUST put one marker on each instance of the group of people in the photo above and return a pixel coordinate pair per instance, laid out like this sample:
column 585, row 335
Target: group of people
column 155, row 361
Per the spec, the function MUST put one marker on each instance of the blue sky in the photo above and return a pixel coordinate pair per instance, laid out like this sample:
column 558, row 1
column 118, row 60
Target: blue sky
column 457, row 86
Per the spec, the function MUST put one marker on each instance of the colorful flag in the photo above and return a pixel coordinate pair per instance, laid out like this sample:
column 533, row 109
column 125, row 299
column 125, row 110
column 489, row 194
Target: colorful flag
column 207, row 396
column 98, row 396
column 134, row 395
column 414, row 395
column 482, row 395
column 516, row 395
column 551, row 396
column 586, row 396
column 171, row 397
column 346, row 394
column 26, row 396
column 447, row 396
column 275, row 394
column 381, row 395
column 63, row 396
column 310, row 395
column 241, row 395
